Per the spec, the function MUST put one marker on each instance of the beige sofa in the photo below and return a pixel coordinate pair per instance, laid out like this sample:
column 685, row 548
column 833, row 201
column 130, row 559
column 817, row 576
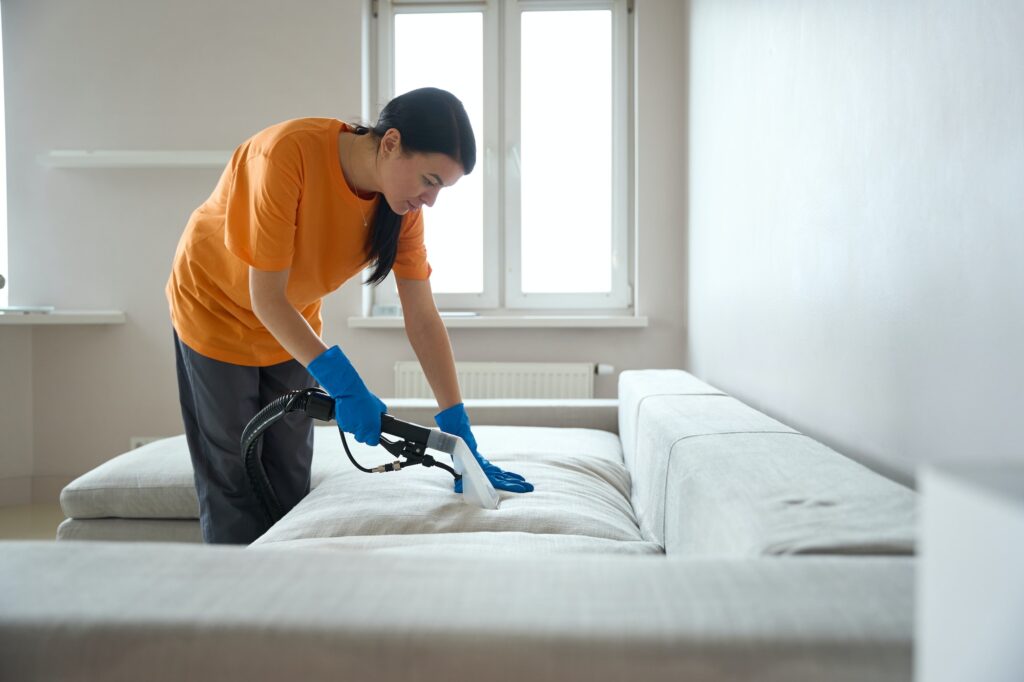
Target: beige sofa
column 703, row 541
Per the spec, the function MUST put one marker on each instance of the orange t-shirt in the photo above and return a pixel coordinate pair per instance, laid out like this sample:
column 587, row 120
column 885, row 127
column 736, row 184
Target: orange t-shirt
column 282, row 202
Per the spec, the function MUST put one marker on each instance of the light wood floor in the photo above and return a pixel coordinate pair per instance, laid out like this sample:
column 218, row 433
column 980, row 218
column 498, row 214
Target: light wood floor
column 30, row 522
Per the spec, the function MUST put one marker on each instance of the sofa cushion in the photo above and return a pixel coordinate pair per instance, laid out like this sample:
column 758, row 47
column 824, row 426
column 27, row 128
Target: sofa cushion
column 582, row 488
column 735, row 495
column 638, row 385
column 155, row 481
column 664, row 421
column 150, row 482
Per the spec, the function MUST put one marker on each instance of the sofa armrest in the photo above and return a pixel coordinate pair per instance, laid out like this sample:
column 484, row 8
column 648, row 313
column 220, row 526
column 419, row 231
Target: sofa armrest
column 594, row 413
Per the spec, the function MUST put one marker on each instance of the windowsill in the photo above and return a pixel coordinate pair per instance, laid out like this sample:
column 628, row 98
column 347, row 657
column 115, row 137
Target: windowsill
column 512, row 322
column 63, row 317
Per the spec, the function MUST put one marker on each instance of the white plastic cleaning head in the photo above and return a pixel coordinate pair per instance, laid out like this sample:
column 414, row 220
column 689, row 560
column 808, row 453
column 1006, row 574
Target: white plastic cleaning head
column 476, row 487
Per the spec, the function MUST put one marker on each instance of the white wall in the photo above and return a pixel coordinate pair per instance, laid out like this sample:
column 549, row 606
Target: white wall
column 110, row 74
column 194, row 74
column 857, row 220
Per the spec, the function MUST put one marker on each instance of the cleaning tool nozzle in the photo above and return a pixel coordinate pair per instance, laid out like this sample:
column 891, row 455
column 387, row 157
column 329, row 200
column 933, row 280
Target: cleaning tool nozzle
column 476, row 487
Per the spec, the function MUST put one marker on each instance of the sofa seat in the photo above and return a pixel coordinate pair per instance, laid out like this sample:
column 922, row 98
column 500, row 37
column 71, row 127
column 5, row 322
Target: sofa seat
column 582, row 488
column 581, row 502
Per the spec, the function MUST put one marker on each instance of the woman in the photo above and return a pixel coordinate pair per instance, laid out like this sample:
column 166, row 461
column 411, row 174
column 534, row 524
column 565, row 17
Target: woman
column 302, row 207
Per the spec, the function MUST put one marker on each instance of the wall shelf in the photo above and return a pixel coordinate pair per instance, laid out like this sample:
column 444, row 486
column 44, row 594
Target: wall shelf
column 140, row 158
column 64, row 317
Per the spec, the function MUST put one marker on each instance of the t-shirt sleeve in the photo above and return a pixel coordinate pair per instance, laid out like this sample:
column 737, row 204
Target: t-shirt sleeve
column 411, row 257
column 262, row 206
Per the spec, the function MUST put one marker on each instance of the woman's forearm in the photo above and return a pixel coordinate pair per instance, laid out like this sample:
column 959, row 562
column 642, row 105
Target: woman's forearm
column 429, row 340
column 291, row 330
column 272, row 308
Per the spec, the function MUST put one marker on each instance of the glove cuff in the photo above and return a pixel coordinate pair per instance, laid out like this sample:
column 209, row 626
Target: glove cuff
column 333, row 371
column 452, row 419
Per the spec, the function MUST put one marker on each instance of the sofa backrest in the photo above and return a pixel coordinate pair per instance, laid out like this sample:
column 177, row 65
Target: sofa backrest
column 712, row 476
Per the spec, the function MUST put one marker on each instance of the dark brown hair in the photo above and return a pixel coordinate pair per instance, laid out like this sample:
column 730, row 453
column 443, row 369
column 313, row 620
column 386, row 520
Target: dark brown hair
column 430, row 120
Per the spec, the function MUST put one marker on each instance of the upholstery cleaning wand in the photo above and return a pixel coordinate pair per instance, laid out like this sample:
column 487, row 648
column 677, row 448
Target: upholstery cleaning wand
column 412, row 443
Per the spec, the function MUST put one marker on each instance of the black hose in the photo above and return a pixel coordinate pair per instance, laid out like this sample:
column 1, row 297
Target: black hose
column 252, row 439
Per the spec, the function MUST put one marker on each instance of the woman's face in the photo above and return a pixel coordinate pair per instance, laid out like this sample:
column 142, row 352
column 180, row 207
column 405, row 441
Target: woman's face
column 409, row 181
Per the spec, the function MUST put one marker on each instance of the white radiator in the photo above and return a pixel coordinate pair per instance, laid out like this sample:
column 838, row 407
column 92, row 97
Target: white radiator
column 504, row 380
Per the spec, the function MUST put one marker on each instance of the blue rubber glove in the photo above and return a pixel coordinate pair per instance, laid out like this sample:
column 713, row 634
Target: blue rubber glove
column 356, row 410
column 455, row 421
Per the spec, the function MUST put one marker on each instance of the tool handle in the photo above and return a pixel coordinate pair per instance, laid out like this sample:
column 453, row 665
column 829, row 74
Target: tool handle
column 404, row 430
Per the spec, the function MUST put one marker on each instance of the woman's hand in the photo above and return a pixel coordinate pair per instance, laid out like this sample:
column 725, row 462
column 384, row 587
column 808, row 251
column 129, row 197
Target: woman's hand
column 356, row 409
column 455, row 421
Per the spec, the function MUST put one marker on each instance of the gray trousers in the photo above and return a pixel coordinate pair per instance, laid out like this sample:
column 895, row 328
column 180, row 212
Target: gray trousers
column 217, row 400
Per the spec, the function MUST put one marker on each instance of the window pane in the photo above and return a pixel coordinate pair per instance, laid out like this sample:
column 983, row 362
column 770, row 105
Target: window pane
column 566, row 157
column 445, row 50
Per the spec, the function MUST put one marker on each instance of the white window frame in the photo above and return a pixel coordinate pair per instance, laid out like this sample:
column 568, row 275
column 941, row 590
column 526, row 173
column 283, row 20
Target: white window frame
column 499, row 158
column 4, row 254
